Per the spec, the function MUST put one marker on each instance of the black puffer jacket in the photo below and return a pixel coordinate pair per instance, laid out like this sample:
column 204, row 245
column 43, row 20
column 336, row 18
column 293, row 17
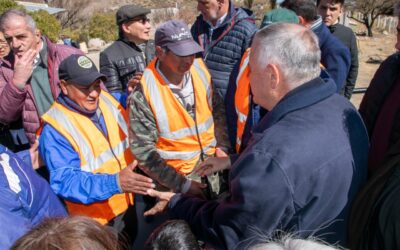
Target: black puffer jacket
column 121, row 60
column 224, row 46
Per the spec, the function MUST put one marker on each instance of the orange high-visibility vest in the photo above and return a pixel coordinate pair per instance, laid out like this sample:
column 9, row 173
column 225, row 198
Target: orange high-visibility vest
column 97, row 153
column 242, row 97
column 178, row 141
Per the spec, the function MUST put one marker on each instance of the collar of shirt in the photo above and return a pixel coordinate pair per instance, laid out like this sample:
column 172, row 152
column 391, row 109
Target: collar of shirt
column 316, row 23
column 37, row 58
column 219, row 22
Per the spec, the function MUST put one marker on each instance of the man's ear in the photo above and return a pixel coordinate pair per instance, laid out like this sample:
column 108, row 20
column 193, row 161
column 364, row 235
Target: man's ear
column 275, row 76
column 302, row 21
column 159, row 52
column 38, row 36
column 341, row 9
column 63, row 86
column 124, row 27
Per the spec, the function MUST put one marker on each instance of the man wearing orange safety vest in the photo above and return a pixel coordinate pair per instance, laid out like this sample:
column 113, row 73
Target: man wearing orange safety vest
column 171, row 114
column 84, row 143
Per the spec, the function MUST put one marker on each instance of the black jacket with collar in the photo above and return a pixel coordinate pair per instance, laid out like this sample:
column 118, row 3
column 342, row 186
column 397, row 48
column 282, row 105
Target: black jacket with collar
column 121, row 60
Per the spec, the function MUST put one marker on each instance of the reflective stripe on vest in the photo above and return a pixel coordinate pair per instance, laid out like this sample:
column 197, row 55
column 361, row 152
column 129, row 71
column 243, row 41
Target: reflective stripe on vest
column 178, row 143
column 242, row 97
column 97, row 153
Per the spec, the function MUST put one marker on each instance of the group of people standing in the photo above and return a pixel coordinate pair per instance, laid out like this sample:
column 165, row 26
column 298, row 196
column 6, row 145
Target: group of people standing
column 236, row 130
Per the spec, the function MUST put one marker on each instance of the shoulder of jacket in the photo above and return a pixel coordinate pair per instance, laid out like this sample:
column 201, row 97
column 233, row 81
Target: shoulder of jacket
column 114, row 46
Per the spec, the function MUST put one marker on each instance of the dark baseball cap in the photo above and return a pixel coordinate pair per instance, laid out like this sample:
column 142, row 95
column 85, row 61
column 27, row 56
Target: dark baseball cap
column 175, row 35
column 80, row 70
column 129, row 12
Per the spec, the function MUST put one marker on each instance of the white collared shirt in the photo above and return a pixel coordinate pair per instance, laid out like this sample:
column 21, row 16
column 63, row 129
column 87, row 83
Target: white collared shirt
column 219, row 22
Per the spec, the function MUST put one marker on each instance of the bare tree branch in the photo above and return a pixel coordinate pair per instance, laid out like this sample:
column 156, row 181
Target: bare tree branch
column 372, row 9
column 74, row 13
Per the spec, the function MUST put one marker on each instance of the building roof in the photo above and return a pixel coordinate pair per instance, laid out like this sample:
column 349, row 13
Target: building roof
column 40, row 6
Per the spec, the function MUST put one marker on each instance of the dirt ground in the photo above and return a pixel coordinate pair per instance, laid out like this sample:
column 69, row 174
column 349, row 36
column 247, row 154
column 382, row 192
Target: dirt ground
column 378, row 48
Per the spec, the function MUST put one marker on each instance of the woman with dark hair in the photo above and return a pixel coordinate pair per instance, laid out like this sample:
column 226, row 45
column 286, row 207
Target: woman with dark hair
column 172, row 235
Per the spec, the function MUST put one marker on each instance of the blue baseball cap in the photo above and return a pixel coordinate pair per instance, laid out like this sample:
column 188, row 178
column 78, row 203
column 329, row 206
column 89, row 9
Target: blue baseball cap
column 175, row 35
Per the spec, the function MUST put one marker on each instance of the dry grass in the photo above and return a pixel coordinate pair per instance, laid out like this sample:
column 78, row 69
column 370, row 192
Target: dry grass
column 379, row 47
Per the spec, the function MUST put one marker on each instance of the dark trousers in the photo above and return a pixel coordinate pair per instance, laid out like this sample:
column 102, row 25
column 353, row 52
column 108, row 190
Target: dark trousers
column 145, row 225
column 125, row 225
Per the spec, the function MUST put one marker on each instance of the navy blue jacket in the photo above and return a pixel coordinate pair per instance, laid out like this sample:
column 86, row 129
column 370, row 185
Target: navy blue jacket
column 335, row 56
column 224, row 46
column 25, row 198
column 304, row 164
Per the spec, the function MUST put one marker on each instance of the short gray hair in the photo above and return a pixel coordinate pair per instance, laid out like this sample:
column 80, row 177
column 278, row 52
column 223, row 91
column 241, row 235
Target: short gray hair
column 293, row 244
column 290, row 46
column 10, row 14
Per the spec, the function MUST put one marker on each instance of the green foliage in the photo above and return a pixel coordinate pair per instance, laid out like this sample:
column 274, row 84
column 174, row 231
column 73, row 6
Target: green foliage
column 103, row 26
column 47, row 24
column 71, row 33
column 8, row 4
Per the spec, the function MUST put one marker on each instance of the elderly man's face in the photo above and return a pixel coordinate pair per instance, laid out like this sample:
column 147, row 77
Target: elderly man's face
column 4, row 48
column 138, row 29
column 209, row 9
column 259, row 81
column 20, row 37
column 329, row 11
column 86, row 97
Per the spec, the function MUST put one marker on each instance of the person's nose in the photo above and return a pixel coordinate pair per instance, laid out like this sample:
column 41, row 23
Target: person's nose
column 15, row 43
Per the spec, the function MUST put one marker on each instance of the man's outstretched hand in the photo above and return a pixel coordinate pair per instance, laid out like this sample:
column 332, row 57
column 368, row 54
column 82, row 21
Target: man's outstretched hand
column 164, row 198
column 132, row 182
column 213, row 164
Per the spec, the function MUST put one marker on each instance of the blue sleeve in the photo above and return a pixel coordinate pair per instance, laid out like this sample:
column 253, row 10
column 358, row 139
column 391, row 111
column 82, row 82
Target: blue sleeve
column 25, row 198
column 25, row 156
column 12, row 217
column 337, row 64
column 223, row 224
column 120, row 97
column 66, row 177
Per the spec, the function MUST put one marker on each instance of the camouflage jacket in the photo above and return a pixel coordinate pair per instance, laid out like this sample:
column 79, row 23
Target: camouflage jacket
column 144, row 136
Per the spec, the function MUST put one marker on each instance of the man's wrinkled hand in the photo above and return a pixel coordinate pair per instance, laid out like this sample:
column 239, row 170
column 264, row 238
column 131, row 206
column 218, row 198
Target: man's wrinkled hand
column 164, row 198
column 157, row 209
column 212, row 165
column 135, row 80
column 132, row 182
column 23, row 68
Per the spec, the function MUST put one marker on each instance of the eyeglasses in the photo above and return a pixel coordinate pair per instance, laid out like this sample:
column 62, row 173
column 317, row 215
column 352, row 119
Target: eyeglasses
column 142, row 20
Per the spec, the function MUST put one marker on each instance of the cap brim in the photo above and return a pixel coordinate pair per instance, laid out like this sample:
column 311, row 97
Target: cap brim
column 185, row 48
column 88, row 79
column 141, row 12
